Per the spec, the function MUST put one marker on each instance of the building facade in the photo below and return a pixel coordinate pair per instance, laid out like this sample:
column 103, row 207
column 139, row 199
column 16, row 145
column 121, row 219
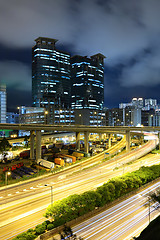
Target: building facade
column 62, row 85
column 87, row 75
column 87, row 91
column 128, row 116
column 3, row 103
column 150, row 104
column 29, row 115
column 12, row 117
column 51, row 85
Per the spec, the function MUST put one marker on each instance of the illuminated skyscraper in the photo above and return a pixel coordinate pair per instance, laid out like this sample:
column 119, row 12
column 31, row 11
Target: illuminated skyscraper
column 3, row 102
column 150, row 104
column 87, row 76
column 50, row 75
column 65, row 85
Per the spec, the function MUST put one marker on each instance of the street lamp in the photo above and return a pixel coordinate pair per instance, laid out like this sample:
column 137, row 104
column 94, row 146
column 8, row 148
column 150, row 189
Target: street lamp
column 46, row 113
column 80, row 115
column 6, row 177
column 51, row 194
column 95, row 118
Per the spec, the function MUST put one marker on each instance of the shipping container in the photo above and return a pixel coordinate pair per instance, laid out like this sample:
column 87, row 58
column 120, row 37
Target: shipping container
column 72, row 157
column 45, row 163
column 59, row 161
column 65, row 158
column 25, row 154
column 78, row 155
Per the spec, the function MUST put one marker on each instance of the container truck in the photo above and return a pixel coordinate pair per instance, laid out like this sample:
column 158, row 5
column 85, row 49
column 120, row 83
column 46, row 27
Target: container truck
column 45, row 163
column 78, row 155
column 70, row 157
column 59, row 161
column 24, row 154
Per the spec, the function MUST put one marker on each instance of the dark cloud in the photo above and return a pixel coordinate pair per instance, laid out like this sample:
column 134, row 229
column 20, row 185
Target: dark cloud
column 144, row 72
column 15, row 75
column 121, row 30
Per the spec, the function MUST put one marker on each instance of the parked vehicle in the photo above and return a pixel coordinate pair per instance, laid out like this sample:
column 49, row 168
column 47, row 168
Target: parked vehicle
column 45, row 163
column 59, row 161
column 25, row 154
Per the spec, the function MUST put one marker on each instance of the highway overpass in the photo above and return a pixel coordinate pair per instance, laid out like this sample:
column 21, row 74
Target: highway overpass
column 35, row 130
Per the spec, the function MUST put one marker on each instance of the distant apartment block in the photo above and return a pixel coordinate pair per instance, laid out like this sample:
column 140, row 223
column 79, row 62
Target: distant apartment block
column 12, row 117
column 3, row 103
column 150, row 104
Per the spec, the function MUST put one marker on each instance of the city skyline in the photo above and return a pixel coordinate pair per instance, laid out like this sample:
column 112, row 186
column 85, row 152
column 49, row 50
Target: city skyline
column 125, row 32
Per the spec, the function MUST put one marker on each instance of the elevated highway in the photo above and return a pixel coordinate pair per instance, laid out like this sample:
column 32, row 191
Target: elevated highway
column 35, row 130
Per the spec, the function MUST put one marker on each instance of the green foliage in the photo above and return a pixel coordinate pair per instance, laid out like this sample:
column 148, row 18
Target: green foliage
column 107, row 191
column 40, row 228
column 120, row 187
column 4, row 145
column 29, row 235
column 50, row 226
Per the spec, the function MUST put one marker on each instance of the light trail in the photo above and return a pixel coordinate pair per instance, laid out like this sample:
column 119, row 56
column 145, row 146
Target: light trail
column 38, row 196
column 118, row 220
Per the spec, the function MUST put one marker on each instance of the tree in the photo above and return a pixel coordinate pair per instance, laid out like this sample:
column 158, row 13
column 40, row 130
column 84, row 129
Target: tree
column 26, row 138
column 4, row 146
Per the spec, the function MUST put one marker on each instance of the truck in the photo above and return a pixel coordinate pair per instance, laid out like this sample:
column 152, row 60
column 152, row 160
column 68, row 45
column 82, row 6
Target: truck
column 24, row 154
column 45, row 163
column 48, row 156
column 78, row 155
column 73, row 158
column 59, row 161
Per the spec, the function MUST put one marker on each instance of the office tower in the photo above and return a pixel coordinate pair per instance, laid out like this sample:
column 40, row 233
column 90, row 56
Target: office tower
column 150, row 104
column 63, row 90
column 114, row 117
column 124, row 105
column 51, row 83
column 137, row 102
column 3, row 103
column 29, row 115
column 12, row 117
column 87, row 76
column 87, row 92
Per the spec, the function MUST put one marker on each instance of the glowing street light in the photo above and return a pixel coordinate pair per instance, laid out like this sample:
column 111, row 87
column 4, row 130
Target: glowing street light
column 46, row 113
column 6, row 177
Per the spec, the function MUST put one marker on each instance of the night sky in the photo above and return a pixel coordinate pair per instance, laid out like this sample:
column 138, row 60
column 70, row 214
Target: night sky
column 127, row 32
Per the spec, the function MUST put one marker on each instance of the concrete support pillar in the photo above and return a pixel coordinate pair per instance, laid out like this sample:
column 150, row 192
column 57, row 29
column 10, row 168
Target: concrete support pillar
column 78, row 140
column 103, row 136
column 38, row 145
column 109, row 141
column 86, row 139
column 127, row 140
column 31, row 144
column 142, row 139
column 100, row 136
